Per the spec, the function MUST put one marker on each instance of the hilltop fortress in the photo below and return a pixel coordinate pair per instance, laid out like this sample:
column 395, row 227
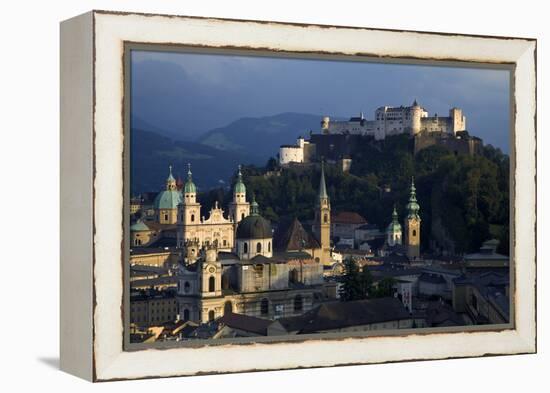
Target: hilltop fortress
column 336, row 138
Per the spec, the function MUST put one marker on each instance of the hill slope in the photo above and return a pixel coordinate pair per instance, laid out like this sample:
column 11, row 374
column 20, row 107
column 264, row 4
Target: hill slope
column 261, row 135
column 151, row 153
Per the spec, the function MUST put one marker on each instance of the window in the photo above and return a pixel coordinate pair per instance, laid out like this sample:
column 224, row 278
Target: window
column 225, row 282
column 166, row 217
column 264, row 307
column 414, row 232
column 298, row 303
column 211, row 284
column 293, row 276
column 259, row 269
column 186, row 287
column 325, row 218
column 245, row 247
column 259, row 247
column 192, row 218
column 227, row 308
column 269, row 247
column 242, row 216
column 211, row 315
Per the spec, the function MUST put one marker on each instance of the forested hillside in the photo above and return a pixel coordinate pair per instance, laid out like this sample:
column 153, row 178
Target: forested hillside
column 464, row 200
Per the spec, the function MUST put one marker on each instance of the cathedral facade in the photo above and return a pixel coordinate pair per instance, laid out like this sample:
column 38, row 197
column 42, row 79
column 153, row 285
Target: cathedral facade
column 217, row 228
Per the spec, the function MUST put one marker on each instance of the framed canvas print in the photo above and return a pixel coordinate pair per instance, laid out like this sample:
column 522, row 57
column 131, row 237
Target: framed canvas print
column 248, row 195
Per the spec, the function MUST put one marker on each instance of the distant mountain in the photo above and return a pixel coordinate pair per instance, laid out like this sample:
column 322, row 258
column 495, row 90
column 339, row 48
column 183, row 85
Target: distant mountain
column 141, row 124
column 261, row 135
column 152, row 153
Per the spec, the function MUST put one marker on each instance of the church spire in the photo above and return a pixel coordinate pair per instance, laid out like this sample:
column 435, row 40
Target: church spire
column 413, row 207
column 239, row 185
column 170, row 181
column 322, row 186
column 190, row 187
column 254, row 207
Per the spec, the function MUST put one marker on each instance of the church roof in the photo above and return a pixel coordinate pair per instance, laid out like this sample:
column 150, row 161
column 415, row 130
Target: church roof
column 167, row 199
column 291, row 235
column 348, row 218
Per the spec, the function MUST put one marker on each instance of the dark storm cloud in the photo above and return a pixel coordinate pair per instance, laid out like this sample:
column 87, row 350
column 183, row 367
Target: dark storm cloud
column 193, row 93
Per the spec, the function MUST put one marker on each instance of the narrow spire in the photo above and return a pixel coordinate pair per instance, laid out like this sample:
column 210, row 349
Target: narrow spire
column 254, row 207
column 170, row 176
column 322, row 186
column 413, row 207
column 189, row 173
column 394, row 214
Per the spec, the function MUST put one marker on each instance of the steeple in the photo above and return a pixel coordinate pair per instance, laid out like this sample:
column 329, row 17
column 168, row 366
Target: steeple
column 412, row 225
column 239, row 185
column 170, row 181
column 254, row 207
column 322, row 186
column 413, row 207
column 415, row 103
column 190, row 187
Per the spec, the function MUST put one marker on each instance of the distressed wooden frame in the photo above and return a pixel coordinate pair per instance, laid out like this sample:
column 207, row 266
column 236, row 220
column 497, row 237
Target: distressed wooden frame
column 93, row 160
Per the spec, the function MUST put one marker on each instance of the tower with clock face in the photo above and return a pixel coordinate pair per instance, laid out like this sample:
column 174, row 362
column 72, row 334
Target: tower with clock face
column 211, row 274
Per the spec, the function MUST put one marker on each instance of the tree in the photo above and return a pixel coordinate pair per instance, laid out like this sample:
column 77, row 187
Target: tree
column 351, row 283
column 356, row 284
column 384, row 287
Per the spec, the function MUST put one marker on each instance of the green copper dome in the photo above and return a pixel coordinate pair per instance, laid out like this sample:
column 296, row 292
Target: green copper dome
column 239, row 185
column 168, row 199
column 413, row 207
column 190, row 187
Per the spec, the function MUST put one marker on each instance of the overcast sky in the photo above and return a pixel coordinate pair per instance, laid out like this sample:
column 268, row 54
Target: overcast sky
column 193, row 93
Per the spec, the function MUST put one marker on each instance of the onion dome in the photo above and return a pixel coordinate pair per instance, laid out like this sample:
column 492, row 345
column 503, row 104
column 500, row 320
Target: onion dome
column 413, row 207
column 239, row 185
column 254, row 226
column 170, row 198
column 394, row 226
column 190, row 187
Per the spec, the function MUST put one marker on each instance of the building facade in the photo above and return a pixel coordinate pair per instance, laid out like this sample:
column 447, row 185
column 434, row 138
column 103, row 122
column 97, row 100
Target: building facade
column 217, row 228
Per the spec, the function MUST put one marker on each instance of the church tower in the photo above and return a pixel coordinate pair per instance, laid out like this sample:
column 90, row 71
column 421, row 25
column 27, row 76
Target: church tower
column 321, row 226
column 393, row 233
column 188, row 211
column 412, row 225
column 239, row 208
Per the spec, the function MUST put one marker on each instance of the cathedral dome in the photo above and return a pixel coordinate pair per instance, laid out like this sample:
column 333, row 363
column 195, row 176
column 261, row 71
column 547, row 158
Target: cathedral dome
column 254, row 226
column 168, row 199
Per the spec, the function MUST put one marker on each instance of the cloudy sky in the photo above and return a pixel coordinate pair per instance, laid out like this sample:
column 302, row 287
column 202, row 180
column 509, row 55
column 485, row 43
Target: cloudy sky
column 193, row 93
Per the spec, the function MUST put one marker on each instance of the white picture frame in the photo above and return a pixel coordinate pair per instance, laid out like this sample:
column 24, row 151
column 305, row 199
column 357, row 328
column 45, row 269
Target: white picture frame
column 93, row 162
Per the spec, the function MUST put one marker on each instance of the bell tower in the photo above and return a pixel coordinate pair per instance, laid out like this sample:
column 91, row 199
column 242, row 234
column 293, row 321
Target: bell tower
column 239, row 208
column 321, row 226
column 412, row 225
column 188, row 211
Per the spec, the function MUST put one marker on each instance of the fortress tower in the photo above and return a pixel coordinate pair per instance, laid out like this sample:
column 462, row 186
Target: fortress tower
column 416, row 114
column 321, row 226
column 412, row 225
